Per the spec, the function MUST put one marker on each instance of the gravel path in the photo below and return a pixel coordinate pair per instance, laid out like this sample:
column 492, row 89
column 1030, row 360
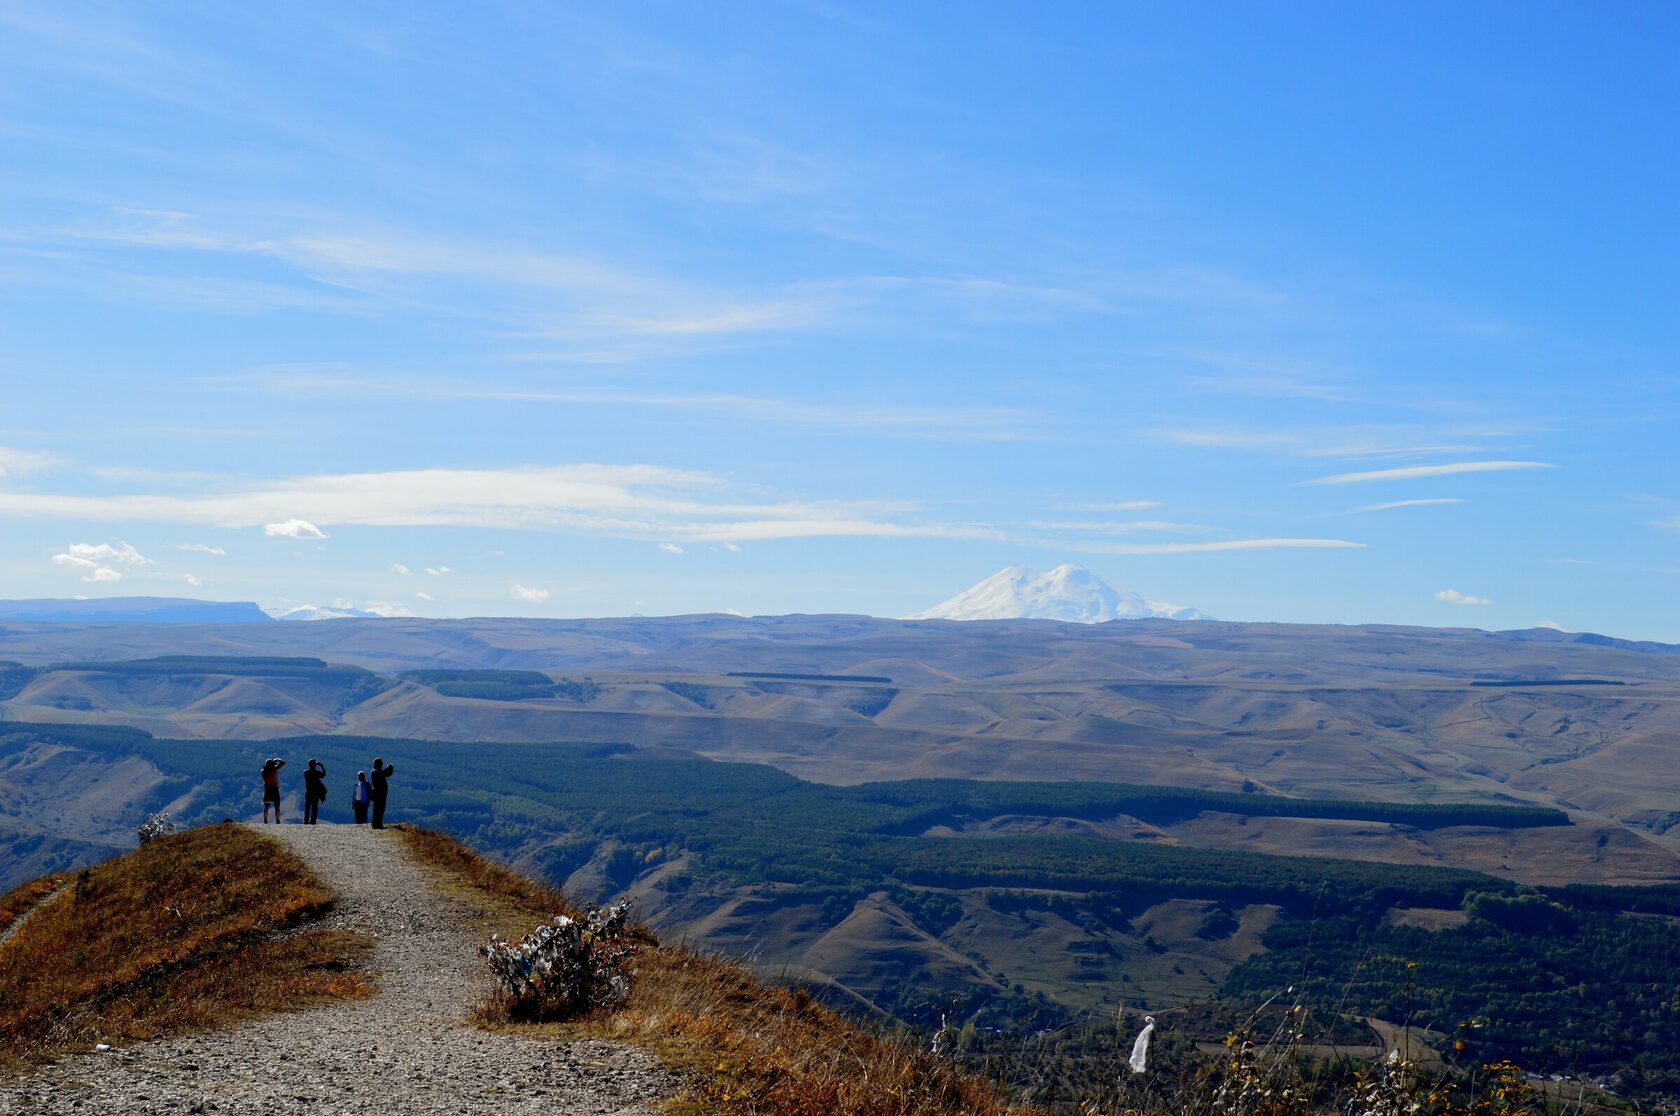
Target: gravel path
column 17, row 923
column 406, row 1050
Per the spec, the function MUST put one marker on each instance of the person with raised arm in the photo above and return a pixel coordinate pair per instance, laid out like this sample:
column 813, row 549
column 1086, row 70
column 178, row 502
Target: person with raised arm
column 271, row 787
column 314, row 790
column 382, row 772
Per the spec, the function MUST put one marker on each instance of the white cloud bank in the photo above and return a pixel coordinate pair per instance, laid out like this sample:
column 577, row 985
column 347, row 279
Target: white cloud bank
column 293, row 529
column 1453, row 596
column 528, row 593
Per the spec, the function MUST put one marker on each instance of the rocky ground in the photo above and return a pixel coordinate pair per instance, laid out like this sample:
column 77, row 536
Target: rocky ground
column 409, row 1049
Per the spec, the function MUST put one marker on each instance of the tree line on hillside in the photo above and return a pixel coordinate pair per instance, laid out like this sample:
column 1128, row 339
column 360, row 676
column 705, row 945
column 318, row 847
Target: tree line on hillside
column 1555, row 977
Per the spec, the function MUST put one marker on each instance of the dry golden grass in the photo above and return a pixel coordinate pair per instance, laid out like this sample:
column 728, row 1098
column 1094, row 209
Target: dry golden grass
column 743, row 1046
column 22, row 899
column 515, row 899
column 183, row 933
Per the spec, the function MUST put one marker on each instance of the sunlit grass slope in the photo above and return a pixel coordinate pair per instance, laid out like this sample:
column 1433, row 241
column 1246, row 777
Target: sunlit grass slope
column 183, row 933
column 745, row 1047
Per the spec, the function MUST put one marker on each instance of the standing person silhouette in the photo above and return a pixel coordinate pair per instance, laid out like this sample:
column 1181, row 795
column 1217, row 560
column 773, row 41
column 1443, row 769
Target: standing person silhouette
column 360, row 797
column 382, row 772
column 271, row 787
column 314, row 790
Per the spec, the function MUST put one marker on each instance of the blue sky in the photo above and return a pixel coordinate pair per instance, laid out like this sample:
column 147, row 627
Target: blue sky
column 1340, row 312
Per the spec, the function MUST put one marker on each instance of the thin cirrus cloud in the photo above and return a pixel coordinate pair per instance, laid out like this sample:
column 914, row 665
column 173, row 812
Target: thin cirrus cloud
column 1453, row 596
column 1113, row 527
column 24, row 461
column 202, row 548
column 670, row 548
column 528, row 593
column 928, row 423
column 656, row 503
column 1432, row 501
column 566, row 296
column 1224, row 545
column 1111, row 506
column 1414, row 472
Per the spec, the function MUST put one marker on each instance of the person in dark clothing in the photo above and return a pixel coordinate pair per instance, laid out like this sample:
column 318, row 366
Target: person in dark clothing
column 314, row 790
column 271, row 788
column 382, row 772
column 360, row 797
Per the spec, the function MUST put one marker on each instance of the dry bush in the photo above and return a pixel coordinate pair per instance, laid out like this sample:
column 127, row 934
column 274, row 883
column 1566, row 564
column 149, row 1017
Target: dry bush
column 182, row 933
column 745, row 1047
column 566, row 967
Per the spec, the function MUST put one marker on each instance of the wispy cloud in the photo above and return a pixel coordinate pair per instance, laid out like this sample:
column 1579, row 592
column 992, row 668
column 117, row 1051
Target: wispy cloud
column 1414, row 472
column 1453, row 596
column 670, row 548
column 1112, row 506
column 1338, row 441
column 1242, row 374
column 573, row 297
column 1221, row 545
column 894, row 420
column 13, row 461
column 1392, row 504
column 529, row 593
column 655, row 503
column 1112, row 527
column 629, row 501
column 400, row 570
column 202, row 548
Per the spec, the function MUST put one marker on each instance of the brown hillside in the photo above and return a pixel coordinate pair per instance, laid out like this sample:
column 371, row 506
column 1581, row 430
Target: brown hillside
column 189, row 931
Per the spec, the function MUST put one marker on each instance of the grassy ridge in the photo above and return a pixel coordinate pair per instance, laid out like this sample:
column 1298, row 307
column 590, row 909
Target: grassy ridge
column 178, row 934
column 743, row 1046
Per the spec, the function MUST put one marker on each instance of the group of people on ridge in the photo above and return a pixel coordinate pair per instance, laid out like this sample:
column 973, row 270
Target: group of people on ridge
column 368, row 793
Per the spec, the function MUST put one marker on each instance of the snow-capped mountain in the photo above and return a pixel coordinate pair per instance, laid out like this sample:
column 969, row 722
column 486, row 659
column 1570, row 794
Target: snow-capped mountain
column 313, row 612
column 1070, row 593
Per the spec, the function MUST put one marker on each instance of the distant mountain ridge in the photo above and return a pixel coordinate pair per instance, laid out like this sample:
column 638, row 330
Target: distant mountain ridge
column 1069, row 593
column 134, row 610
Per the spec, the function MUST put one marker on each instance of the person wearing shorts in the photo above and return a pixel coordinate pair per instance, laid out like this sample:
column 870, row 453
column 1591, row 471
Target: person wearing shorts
column 271, row 788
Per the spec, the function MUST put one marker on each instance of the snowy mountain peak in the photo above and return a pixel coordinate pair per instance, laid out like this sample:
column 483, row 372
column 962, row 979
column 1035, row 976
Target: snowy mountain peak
column 1070, row 593
column 313, row 612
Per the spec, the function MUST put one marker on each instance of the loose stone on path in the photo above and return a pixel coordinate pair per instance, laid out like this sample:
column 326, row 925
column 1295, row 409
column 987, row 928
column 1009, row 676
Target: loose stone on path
column 408, row 1049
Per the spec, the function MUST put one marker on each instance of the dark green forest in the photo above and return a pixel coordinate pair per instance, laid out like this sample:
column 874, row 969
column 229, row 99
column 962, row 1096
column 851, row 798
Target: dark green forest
column 1576, row 978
